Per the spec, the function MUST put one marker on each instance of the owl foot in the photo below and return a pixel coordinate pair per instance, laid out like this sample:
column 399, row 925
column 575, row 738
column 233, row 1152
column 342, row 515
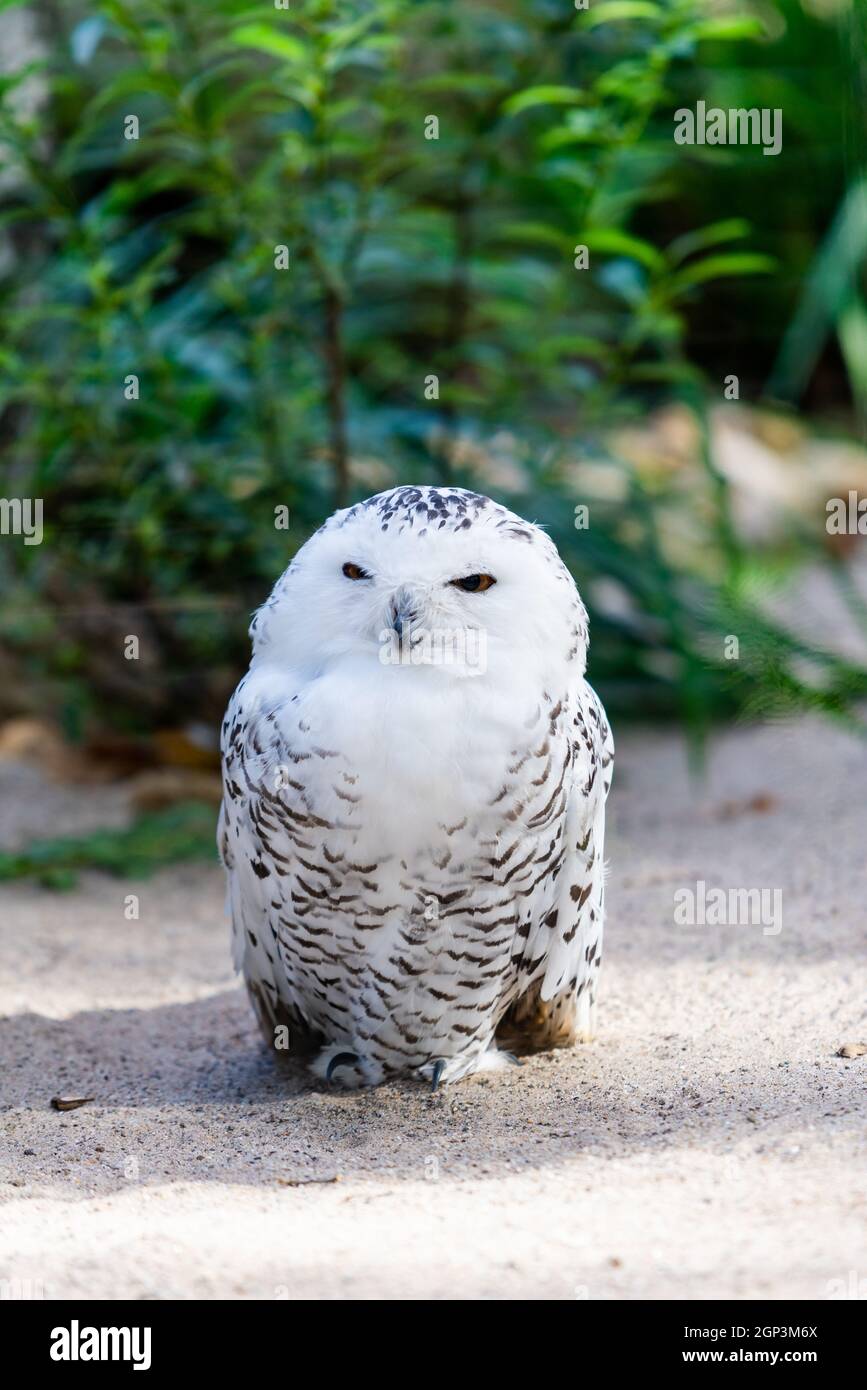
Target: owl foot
column 486, row 1063
column 340, row 1059
column 444, row 1070
column 339, row 1065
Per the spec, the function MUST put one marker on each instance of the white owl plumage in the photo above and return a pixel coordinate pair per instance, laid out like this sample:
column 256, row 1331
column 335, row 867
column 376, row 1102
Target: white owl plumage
column 415, row 774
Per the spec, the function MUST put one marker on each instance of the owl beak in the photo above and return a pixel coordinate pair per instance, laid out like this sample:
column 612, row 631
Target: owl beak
column 402, row 613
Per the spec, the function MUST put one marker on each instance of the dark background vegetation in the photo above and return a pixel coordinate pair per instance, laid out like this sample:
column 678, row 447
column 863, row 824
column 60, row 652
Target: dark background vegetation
column 305, row 387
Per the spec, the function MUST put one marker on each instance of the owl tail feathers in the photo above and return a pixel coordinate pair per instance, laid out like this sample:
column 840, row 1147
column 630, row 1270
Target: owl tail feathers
column 282, row 1028
column 536, row 1025
column 585, row 1017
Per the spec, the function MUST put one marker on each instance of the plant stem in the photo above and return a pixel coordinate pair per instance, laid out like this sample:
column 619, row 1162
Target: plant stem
column 335, row 371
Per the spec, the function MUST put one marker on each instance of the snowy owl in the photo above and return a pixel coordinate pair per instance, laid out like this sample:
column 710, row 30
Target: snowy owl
column 415, row 773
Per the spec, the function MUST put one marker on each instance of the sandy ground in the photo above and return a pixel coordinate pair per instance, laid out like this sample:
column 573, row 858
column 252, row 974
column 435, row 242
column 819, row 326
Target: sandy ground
column 708, row 1144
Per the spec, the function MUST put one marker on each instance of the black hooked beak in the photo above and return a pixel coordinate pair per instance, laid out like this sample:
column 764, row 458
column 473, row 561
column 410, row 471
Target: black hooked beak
column 402, row 614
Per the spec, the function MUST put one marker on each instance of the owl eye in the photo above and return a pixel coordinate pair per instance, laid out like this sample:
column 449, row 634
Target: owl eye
column 475, row 583
column 354, row 571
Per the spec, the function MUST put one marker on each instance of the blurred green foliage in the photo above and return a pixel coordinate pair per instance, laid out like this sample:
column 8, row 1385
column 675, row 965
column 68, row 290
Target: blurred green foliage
column 179, row 833
column 268, row 134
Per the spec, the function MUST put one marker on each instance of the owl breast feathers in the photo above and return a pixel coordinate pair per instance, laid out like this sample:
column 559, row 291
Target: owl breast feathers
column 415, row 773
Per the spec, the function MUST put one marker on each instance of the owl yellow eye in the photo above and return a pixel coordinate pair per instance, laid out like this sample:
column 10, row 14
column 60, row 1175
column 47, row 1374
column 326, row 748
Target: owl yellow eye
column 475, row 583
column 355, row 571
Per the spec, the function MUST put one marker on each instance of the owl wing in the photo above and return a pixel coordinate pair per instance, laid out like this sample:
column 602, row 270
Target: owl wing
column 561, row 955
column 254, row 892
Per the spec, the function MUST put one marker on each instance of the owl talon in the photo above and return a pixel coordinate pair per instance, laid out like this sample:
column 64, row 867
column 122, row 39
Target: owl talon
column 340, row 1059
column 438, row 1068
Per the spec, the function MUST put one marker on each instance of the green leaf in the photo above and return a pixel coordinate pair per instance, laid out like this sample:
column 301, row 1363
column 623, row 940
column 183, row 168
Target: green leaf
column 726, row 26
column 348, row 34
column 719, row 267
column 732, row 229
column 827, row 292
column 542, row 96
column 538, row 233
column 616, row 11
column 852, row 332
column 273, row 41
column 612, row 241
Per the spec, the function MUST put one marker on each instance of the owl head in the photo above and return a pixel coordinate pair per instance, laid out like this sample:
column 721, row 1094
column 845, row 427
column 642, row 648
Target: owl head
column 442, row 581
